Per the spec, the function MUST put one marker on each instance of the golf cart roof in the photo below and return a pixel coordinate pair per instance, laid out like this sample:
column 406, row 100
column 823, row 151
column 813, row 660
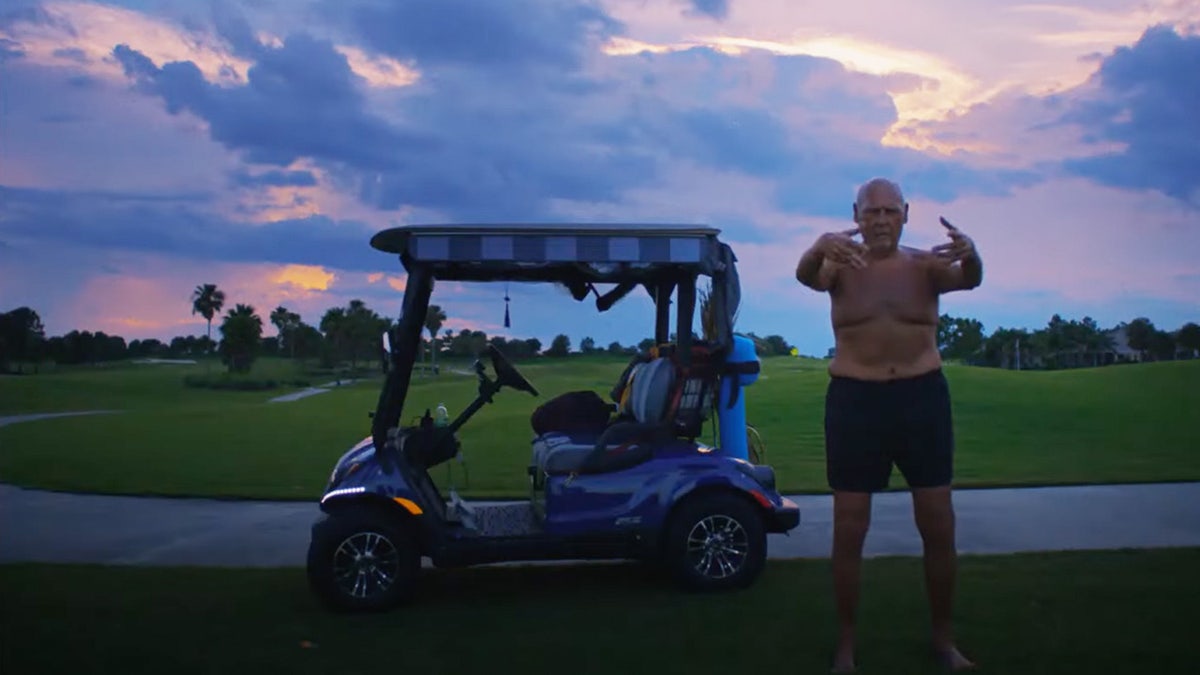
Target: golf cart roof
column 663, row 259
column 613, row 252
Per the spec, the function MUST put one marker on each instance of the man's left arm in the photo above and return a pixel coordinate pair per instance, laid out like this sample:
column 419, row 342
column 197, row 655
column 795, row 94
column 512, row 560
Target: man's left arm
column 970, row 268
column 956, row 266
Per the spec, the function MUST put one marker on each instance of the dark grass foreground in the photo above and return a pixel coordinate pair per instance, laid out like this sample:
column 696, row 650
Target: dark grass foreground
column 1110, row 612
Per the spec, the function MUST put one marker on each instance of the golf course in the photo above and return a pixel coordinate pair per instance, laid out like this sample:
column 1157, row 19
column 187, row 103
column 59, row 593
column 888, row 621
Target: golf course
column 1128, row 423
column 1065, row 612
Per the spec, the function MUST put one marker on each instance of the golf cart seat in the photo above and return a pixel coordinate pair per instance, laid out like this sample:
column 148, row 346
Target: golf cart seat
column 623, row 442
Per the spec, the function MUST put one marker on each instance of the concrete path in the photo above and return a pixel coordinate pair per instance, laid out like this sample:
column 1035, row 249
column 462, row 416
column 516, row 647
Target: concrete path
column 33, row 417
column 311, row 391
column 38, row 526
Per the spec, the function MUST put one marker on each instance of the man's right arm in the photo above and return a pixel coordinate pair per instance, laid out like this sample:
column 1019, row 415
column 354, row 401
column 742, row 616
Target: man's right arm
column 818, row 267
column 815, row 270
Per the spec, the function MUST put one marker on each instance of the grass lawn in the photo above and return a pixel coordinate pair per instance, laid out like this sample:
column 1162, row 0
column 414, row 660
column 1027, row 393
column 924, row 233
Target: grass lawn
column 1117, row 424
column 1065, row 613
column 127, row 385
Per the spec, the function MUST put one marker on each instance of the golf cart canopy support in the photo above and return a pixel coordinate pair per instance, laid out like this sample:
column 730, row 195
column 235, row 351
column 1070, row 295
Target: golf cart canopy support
column 664, row 259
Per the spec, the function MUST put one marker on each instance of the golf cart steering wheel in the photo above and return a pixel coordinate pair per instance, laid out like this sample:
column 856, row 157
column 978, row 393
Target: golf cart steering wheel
column 506, row 374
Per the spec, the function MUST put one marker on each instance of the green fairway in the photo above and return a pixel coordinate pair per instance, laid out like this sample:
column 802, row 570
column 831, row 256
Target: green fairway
column 1117, row 424
column 126, row 385
column 1110, row 612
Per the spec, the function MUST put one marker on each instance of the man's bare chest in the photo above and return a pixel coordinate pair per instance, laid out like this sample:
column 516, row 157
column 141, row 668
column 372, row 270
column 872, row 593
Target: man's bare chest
column 904, row 294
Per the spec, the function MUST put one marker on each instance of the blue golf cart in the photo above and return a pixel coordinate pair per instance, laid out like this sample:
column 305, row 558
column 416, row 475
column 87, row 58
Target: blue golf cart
column 627, row 475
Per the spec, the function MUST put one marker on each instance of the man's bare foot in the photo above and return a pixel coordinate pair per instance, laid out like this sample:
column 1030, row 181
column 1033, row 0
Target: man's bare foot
column 952, row 659
column 843, row 659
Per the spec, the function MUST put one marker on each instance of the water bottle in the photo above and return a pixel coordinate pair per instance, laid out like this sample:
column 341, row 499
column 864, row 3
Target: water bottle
column 442, row 417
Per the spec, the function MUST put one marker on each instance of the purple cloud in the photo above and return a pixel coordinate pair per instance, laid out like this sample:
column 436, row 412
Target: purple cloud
column 715, row 9
column 301, row 100
column 507, row 38
column 183, row 223
column 274, row 179
column 1149, row 95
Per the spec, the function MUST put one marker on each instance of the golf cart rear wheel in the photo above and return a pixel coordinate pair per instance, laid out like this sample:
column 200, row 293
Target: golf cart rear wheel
column 716, row 542
column 360, row 559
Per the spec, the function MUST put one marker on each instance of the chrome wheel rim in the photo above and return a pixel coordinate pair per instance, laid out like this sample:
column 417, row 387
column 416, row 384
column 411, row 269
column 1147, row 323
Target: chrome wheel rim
column 366, row 564
column 717, row 546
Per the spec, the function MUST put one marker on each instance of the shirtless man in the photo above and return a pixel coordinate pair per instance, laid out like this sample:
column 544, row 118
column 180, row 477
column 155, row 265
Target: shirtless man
column 888, row 401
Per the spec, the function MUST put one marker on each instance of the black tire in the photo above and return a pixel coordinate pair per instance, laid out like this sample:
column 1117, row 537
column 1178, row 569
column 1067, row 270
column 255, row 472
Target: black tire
column 362, row 560
column 715, row 542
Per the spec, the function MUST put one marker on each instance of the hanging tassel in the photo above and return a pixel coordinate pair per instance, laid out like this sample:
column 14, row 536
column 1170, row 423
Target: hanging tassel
column 507, row 322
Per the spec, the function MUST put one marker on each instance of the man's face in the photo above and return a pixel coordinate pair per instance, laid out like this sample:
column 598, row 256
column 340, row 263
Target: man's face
column 881, row 216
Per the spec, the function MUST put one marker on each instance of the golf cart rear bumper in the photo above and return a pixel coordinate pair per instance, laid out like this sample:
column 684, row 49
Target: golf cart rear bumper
column 784, row 517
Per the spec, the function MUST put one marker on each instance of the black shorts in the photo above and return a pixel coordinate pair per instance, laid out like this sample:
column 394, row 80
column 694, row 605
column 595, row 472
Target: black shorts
column 871, row 425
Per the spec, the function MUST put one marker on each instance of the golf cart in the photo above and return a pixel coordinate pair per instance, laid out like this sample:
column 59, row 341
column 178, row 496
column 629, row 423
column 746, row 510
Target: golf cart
column 628, row 478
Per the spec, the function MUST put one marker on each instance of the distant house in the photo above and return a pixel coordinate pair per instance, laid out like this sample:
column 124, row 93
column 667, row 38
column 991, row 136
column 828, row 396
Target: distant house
column 1181, row 352
column 1120, row 352
column 1117, row 351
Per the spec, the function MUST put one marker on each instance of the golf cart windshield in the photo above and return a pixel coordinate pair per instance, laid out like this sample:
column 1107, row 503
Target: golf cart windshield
column 663, row 260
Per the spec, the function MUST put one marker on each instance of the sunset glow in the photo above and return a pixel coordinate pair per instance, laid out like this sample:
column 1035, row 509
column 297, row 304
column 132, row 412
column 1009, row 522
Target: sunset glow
column 306, row 277
column 259, row 146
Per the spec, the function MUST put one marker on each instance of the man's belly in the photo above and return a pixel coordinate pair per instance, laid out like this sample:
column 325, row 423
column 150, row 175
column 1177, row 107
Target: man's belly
column 884, row 349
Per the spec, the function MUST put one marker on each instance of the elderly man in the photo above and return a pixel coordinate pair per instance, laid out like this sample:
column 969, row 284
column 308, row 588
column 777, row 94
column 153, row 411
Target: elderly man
column 888, row 401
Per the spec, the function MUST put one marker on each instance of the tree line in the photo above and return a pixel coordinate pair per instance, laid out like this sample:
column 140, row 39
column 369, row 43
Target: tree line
column 1064, row 343
column 351, row 334
column 347, row 334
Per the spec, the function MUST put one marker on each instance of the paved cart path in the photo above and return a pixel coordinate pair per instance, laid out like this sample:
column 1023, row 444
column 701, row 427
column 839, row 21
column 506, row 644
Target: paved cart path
column 40, row 526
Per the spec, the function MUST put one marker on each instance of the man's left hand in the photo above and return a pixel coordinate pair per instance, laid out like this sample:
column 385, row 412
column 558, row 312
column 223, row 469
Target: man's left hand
column 960, row 247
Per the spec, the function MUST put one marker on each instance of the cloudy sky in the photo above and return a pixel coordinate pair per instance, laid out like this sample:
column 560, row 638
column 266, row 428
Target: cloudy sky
column 148, row 146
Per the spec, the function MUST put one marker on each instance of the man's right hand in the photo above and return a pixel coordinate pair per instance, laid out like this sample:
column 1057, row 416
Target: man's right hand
column 840, row 248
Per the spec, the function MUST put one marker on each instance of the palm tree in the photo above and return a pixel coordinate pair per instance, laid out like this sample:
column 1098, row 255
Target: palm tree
column 286, row 322
column 207, row 301
column 361, row 324
column 333, row 325
column 434, row 318
column 279, row 318
column 242, row 331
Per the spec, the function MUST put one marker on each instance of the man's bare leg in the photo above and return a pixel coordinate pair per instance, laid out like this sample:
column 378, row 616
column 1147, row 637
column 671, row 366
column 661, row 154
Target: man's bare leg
column 851, row 519
column 933, row 510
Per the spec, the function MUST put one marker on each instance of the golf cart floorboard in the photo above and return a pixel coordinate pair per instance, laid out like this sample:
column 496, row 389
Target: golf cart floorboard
column 506, row 520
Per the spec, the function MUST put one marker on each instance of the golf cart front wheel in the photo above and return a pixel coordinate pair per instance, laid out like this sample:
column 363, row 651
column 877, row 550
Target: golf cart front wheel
column 362, row 560
column 716, row 542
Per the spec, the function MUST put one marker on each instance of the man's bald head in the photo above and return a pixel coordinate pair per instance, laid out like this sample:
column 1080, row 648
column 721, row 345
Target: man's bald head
column 878, row 184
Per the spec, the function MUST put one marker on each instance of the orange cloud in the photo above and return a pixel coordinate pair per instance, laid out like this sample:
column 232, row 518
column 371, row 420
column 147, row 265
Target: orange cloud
column 306, row 277
column 379, row 71
column 375, row 278
column 398, row 283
